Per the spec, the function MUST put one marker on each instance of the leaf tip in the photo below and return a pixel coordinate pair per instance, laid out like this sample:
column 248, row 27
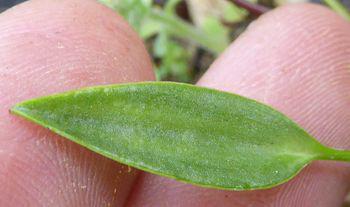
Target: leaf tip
column 18, row 109
column 14, row 109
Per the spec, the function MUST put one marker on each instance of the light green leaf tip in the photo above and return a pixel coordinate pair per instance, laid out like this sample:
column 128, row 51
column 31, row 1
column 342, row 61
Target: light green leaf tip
column 192, row 134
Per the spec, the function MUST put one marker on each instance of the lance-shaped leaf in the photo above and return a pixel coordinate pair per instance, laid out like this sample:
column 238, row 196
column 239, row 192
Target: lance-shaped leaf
column 193, row 134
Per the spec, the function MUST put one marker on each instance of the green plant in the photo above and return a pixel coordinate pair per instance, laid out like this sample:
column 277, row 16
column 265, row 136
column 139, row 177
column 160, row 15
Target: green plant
column 193, row 134
column 172, row 40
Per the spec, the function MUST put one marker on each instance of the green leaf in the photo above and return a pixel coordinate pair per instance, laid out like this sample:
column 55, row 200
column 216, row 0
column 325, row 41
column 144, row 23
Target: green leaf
column 174, row 58
column 170, row 6
column 160, row 44
column 181, row 29
column 233, row 13
column 213, row 28
column 149, row 28
column 193, row 134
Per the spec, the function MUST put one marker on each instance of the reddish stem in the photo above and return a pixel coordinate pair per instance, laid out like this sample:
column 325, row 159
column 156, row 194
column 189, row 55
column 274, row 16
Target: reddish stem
column 254, row 9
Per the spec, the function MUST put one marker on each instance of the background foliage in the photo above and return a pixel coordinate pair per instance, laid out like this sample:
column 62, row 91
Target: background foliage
column 184, row 37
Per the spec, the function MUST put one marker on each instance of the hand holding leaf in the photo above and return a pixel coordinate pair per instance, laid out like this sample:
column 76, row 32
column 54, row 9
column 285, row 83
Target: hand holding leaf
column 193, row 134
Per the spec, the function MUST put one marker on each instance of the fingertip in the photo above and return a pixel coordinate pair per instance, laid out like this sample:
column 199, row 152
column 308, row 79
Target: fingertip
column 50, row 46
column 296, row 59
column 75, row 43
column 296, row 37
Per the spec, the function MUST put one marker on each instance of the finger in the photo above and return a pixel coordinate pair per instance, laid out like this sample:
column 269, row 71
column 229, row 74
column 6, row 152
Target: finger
column 297, row 59
column 53, row 46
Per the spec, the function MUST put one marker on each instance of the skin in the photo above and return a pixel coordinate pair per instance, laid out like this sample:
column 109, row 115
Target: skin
column 295, row 58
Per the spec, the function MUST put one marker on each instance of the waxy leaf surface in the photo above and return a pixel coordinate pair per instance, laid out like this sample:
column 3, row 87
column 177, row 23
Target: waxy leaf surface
column 193, row 134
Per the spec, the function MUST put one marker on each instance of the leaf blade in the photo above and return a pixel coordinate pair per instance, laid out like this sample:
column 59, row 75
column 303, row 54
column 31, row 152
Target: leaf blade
column 197, row 135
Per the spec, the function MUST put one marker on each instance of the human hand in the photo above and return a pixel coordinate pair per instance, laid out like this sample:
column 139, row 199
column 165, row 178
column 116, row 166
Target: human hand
column 295, row 58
